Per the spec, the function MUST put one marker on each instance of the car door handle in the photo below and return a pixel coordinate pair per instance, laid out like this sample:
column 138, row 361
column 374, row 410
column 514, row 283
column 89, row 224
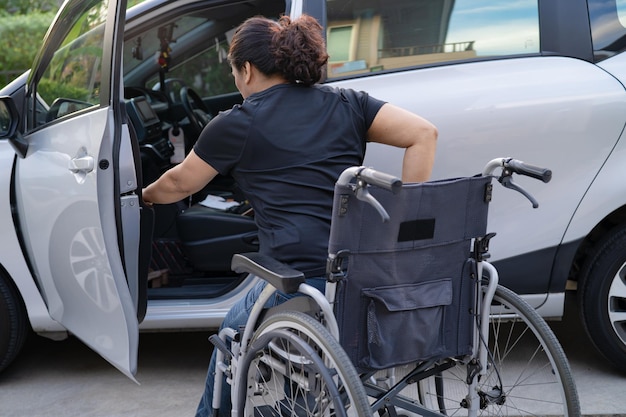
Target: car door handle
column 83, row 164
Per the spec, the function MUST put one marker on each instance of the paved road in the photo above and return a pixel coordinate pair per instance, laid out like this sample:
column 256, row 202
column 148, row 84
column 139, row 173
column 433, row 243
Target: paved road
column 66, row 379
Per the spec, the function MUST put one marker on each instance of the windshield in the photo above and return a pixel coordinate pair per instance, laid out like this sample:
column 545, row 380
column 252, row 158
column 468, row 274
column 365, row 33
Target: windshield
column 147, row 45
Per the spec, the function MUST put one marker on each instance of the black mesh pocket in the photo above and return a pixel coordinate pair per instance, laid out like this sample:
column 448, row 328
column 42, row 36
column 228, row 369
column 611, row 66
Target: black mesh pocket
column 404, row 323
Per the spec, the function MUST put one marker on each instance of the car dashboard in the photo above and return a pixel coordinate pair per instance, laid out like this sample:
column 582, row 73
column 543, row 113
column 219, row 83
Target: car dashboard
column 151, row 132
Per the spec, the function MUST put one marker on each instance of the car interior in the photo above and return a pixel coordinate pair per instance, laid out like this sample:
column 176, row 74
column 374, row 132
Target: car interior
column 176, row 78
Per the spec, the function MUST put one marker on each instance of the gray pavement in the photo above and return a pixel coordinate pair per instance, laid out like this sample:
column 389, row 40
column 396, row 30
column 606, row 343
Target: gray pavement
column 601, row 389
column 66, row 379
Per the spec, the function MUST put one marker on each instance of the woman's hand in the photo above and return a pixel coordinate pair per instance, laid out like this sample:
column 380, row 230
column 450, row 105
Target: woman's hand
column 145, row 200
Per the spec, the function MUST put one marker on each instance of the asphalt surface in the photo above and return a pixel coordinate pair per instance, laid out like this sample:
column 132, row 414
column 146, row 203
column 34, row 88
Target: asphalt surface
column 66, row 379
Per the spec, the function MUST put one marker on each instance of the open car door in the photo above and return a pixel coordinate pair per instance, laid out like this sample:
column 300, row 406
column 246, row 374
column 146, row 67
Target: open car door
column 76, row 187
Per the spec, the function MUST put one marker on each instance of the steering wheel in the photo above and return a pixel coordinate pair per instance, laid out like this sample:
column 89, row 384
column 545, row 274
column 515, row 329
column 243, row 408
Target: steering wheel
column 195, row 109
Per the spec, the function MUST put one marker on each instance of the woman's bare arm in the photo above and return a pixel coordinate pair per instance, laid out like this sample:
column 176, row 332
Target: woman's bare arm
column 398, row 127
column 179, row 182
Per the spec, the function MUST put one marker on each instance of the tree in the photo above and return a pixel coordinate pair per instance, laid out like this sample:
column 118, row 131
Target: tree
column 29, row 6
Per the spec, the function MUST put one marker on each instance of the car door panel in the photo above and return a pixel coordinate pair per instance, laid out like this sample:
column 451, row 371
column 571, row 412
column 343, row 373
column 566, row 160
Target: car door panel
column 82, row 281
column 75, row 187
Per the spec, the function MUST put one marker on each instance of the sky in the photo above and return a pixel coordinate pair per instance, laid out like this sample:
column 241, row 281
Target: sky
column 497, row 27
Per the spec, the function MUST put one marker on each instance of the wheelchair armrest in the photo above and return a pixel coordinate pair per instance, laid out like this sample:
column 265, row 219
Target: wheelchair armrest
column 281, row 276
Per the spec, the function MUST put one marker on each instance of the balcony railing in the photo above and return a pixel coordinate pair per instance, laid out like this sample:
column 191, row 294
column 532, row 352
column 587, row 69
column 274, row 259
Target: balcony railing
column 426, row 49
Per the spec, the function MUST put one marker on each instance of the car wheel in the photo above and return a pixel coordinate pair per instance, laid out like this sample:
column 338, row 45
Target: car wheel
column 13, row 322
column 602, row 297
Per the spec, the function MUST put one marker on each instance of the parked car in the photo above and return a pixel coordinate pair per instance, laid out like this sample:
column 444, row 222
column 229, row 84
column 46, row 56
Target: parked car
column 115, row 97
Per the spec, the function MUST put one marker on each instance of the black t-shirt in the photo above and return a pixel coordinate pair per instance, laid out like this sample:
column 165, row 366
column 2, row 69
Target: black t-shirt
column 286, row 146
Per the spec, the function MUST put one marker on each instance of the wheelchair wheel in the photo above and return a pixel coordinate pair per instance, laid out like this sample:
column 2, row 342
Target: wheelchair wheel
column 294, row 367
column 528, row 373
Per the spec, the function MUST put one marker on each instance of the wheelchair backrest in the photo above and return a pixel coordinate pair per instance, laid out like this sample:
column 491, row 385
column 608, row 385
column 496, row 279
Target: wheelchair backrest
column 410, row 283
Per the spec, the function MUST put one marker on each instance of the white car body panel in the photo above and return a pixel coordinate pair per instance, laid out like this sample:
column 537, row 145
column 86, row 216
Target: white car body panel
column 605, row 195
column 130, row 214
column 550, row 307
column 10, row 253
column 608, row 191
column 616, row 66
column 589, row 116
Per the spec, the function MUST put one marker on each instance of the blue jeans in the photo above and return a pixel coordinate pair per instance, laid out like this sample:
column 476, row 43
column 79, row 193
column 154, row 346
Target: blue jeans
column 236, row 317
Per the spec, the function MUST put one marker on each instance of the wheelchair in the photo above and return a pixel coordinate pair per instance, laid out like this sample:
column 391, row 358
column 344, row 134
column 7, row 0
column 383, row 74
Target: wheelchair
column 412, row 321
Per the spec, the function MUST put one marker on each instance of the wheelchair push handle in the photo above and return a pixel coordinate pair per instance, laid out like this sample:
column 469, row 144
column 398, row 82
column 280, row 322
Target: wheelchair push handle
column 367, row 176
column 380, row 179
column 512, row 166
column 522, row 168
column 515, row 166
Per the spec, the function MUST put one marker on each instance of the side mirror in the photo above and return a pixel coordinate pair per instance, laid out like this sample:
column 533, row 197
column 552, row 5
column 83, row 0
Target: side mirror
column 9, row 119
column 64, row 106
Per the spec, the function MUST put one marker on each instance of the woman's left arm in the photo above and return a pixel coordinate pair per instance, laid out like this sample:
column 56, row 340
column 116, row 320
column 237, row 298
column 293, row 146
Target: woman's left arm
column 398, row 127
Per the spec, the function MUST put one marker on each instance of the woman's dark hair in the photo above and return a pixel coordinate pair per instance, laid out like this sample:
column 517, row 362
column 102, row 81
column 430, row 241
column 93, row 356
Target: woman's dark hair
column 294, row 49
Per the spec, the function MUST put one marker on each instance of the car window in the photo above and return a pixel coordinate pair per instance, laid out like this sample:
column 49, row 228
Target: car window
column 72, row 78
column 208, row 72
column 608, row 27
column 371, row 35
column 147, row 44
column 197, row 45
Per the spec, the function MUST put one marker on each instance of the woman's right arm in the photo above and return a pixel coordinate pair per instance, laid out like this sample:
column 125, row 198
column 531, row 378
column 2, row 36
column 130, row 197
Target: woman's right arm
column 398, row 127
column 184, row 179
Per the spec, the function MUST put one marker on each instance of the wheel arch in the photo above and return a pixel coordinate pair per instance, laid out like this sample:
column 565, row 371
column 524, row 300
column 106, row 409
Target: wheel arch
column 598, row 268
column 601, row 210
column 585, row 247
column 6, row 278
column 34, row 307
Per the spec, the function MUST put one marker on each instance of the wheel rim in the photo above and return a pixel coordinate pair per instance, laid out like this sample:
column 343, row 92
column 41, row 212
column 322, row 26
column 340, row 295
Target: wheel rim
column 617, row 304
column 308, row 393
column 531, row 381
column 337, row 390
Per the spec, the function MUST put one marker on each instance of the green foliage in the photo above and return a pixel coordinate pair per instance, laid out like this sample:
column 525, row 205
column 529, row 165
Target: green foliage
column 47, row 89
column 131, row 3
column 20, row 38
column 28, row 6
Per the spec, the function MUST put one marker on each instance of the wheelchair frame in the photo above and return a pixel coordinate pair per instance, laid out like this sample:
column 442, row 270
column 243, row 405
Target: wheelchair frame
column 234, row 346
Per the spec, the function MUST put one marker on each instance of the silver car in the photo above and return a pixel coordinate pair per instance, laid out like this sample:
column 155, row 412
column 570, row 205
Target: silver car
column 115, row 97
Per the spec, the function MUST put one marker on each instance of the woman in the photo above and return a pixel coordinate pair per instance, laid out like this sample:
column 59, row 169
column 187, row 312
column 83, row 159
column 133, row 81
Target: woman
column 286, row 146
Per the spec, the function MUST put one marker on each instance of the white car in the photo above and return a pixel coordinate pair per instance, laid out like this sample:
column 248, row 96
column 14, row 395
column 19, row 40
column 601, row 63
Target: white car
column 115, row 97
